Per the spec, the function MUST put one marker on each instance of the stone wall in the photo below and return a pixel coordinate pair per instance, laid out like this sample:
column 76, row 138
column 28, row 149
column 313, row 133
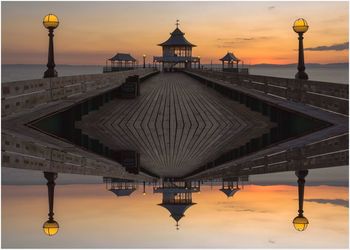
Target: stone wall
column 21, row 95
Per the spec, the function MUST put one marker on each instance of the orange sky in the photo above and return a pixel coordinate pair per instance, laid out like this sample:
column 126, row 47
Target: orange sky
column 256, row 217
column 90, row 32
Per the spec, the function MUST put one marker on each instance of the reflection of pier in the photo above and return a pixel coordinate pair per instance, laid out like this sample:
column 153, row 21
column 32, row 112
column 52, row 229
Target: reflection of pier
column 26, row 101
column 177, row 197
column 120, row 187
column 328, row 102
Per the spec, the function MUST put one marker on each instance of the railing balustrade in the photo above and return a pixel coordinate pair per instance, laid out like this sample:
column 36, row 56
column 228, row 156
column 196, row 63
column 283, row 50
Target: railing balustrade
column 332, row 97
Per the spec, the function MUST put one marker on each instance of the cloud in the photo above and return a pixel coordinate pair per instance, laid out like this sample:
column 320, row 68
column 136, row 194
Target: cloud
column 271, row 7
column 229, row 42
column 337, row 47
column 336, row 202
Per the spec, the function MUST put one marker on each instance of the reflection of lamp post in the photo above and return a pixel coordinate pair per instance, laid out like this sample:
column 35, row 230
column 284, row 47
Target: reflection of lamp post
column 50, row 22
column 300, row 222
column 144, row 61
column 144, row 188
column 300, row 26
column 50, row 226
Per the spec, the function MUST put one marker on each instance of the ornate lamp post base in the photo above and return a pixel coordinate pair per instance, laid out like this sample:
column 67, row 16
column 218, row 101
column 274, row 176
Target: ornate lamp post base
column 301, row 75
column 50, row 73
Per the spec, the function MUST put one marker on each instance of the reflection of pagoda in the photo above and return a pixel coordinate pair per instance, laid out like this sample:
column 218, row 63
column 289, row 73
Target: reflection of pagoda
column 230, row 186
column 177, row 197
column 120, row 187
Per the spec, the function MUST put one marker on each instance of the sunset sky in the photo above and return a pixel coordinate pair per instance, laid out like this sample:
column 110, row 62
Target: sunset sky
column 257, row 32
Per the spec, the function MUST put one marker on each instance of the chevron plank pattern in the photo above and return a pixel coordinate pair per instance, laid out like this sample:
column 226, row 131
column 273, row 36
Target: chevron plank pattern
column 176, row 124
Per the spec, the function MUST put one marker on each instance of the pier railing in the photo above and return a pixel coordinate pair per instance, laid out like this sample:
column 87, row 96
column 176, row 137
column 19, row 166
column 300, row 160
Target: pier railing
column 22, row 153
column 23, row 95
column 330, row 152
column 332, row 97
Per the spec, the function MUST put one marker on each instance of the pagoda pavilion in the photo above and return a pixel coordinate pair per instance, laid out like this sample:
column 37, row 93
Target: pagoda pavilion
column 230, row 58
column 177, row 197
column 177, row 52
column 120, row 62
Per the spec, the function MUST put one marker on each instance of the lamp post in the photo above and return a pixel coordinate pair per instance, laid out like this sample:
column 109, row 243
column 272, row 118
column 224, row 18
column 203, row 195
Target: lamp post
column 300, row 26
column 300, row 222
column 144, row 61
column 50, row 227
column 50, row 22
column 199, row 62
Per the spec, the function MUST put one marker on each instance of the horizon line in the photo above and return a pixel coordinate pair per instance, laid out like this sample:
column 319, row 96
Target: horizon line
column 102, row 65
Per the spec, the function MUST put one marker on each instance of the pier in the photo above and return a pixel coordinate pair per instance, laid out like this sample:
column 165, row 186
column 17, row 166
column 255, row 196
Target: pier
column 182, row 121
column 178, row 124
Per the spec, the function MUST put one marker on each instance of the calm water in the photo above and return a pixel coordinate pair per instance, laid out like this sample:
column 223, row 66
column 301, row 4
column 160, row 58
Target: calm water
column 11, row 73
column 25, row 72
column 255, row 217
column 324, row 74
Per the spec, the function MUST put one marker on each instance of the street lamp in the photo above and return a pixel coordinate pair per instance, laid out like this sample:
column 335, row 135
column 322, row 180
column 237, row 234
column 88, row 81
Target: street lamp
column 300, row 26
column 199, row 62
column 144, row 61
column 50, row 22
column 300, row 223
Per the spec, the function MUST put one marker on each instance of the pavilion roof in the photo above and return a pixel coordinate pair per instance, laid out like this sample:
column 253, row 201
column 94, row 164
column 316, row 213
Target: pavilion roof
column 229, row 191
column 229, row 57
column 177, row 210
column 177, row 38
column 123, row 192
column 123, row 57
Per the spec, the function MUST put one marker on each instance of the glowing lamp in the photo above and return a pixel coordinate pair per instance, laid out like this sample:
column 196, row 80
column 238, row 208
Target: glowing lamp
column 300, row 223
column 50, row 21
column 50, row 227
column 300, row 26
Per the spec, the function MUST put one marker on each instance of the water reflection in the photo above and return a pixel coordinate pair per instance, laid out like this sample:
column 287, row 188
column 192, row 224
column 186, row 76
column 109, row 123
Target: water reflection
column 176, row 195
column 50, row 226
column 228, row 186
column 215, row 221
column 120, row 187
column 300, row 222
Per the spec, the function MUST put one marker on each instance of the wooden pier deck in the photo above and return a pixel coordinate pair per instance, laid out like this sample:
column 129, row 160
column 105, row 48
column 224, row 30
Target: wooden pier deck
column 176, row 124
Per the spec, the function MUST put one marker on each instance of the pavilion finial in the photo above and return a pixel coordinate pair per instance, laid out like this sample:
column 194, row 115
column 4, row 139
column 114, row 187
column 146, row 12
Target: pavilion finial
column 177, row 225
column 177, row 23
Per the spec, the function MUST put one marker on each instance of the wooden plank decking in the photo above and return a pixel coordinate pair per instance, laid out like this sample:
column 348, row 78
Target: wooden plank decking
column 176, row 124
